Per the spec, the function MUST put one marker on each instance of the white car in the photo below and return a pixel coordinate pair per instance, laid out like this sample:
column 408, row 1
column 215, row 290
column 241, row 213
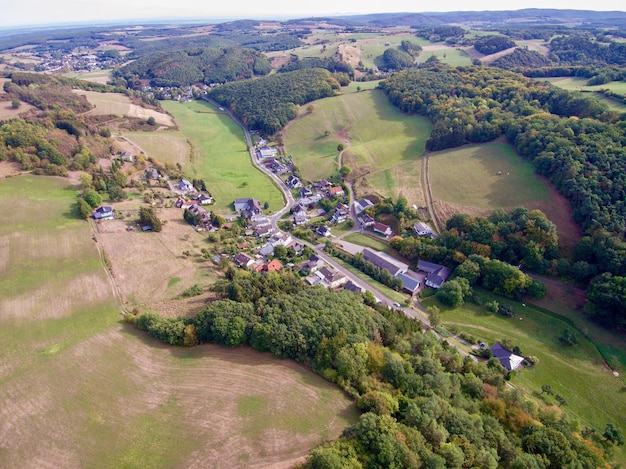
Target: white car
column 397, row 305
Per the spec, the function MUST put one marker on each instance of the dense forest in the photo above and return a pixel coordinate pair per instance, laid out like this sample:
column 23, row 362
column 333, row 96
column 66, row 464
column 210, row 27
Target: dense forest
column 423, row 403
column 570, row 138
column 269, row 103
column 187, row 67
column 492, row 44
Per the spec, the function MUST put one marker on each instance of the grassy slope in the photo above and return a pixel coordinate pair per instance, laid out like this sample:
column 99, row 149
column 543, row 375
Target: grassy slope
column 379, row 135
column 81, row 389
column 166, row 146
column 580, row 84
column 474, row 168
column 220, row 156
column 577, row 373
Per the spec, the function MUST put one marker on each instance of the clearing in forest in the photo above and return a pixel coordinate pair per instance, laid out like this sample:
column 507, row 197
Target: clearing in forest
column 117, row 104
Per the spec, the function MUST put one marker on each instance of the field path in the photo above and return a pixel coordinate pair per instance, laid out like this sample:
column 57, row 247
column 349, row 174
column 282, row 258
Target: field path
column 103, row 260
column 428, row 195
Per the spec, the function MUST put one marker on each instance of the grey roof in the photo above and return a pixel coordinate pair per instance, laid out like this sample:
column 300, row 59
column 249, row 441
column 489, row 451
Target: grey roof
column 385, row 261
column 353, row 287
column 428, row 266
column 509, row 360
column 409, row 282
column 437, row 278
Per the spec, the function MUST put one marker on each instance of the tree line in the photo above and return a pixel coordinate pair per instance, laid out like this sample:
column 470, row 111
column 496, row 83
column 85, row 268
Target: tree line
column 423, row 403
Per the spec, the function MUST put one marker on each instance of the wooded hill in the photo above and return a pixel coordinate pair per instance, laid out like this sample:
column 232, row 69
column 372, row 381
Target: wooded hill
column 423, row 403
column 570, row 138
column 55, row 137
column 192, row 66
column 269, row 103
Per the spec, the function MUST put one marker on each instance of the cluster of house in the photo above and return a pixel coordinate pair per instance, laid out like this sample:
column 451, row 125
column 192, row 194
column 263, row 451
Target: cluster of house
column 433, row 275
column 193, row 201
column 243, row 260
column 366, row 221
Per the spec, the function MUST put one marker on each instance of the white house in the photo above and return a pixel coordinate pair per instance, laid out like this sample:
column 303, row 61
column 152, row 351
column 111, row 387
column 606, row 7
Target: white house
column 361, row 205
column 104, row 213
column 185, row 186
column 422, row 229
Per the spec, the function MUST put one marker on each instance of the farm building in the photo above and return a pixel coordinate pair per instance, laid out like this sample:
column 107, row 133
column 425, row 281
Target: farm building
column 385, row 261
column 436, row 274
column 104, row 213
column 509, row 360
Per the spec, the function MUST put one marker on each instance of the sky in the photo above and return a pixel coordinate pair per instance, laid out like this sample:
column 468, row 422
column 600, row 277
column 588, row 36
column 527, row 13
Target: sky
column 39, row 12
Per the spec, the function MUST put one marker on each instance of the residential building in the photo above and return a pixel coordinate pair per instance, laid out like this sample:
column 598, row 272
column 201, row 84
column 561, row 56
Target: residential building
column 385, row 261
column 509, row 360
column 366, row 221
column 204, row 199
column 243, row 260
column 104, row 213
column 361, row 205
column 323, row 231
column 341, row 213
column 422, row 229
column 185, row 186
column 353, row 287
column 266, row 152
column 332, row 278
column 248, row 208
column 336, row 191
column 294, row 182
column 382, row 229
column 436, row 274
column 272, row 266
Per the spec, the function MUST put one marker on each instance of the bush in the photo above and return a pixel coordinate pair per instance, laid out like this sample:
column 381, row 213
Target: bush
column 193, row 290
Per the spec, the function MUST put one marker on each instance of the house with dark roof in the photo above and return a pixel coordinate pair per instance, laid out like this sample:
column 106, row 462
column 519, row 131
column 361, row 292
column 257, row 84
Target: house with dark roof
column 332, row 278
column 436, row 274
column 361, row 205
column 243, row 260
column 385, row 261
column 382, row 229
column 341, row 213
column 104, row 213
column 353, row 287
column 365, row 220
column 185, row 186
column 294, row 182
column 508, row 359
column 323, row 231
column 247, row 207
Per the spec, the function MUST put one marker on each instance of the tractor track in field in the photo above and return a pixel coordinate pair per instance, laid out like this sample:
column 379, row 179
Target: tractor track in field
column 428, row 195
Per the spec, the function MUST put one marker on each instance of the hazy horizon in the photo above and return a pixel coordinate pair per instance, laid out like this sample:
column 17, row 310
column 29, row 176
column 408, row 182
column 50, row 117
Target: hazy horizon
column 43, row 13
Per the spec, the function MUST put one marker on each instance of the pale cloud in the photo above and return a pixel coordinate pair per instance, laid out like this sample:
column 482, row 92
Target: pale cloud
column 31, row 12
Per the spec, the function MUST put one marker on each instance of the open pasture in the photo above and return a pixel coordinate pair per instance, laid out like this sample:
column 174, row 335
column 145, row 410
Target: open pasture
column 119, row 105
column 79, row 388
column 486, row 176
column 220, row 156
column 97, row 76
column 577, row 373
column 169, row 146
column 449, row 55
column 375, row 134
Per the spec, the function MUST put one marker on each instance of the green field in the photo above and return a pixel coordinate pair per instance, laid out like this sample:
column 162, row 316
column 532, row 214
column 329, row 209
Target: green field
column 580, row 84
column 375, row 134
column 165, row 146
column 366, row 241
column 79, row 388
column 474, row 170
column 451, row 56
column 577, row 373
column 220, row 156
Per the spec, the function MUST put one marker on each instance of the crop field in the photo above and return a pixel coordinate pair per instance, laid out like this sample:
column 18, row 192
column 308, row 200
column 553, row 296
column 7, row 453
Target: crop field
column 577, row 373
column 220, row 156
column 79, row 388
column 119, row 105
column 169, row 146
column 485, row 176
column 97, row 76
column 375, row 134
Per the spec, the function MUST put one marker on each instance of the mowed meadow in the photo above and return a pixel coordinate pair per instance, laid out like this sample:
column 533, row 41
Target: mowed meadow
column 80, row 388
column 376, row 135
column 220, row 156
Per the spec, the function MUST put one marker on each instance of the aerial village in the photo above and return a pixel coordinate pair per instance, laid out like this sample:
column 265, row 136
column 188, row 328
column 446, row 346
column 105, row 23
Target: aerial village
column 294, row 237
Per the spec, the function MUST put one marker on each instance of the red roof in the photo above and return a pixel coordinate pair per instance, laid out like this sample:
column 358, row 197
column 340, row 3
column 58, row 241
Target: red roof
column 336, row 190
